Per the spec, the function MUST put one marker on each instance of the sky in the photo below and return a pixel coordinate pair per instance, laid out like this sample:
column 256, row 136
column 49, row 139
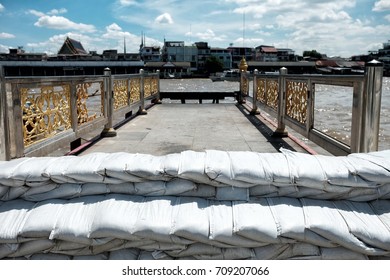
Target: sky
column 336, row 27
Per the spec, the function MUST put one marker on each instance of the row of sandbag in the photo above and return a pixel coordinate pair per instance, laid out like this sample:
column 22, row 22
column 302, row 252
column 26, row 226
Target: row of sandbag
column 176, row 222
column 181, row 187
column 324, row 177
column 197, row 251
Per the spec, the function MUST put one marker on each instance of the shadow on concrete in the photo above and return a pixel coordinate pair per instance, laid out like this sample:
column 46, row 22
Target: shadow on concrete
column 265, row 130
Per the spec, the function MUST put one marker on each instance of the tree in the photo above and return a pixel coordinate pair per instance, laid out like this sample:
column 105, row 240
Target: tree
column 313, row 54
column 213, row 65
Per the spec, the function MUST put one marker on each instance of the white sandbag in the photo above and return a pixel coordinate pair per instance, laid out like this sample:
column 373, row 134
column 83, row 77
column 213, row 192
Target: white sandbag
column 56, row 171
column 191, row 220
column 13, row 215
column 3, row 191
column 150, row 188
column 382, row 210
column 123, row 188
column 270, row 252
column 341, row 253
column 381, row 158
column 362, row 194
column 276, row 167
column 75, row 220
column 202, row 190
column 31, row 171
column 32, row 247
column 124, row 254
column 14, row 193
column 232, row 193
column 364, row 224
column 307, row 192
column 339, row 171
column 146, row 167
column 31, row 192
column 146, row 255
column 7, row 249
column 170, row 164
column 41, row 219
column 179, row 186
column 195, row 249
column 323, row 218
column 107, row 244
column 289, row 217
column 114, row 167
column 217, row 167
column 375, row 172
column 263, row 190
column 221, row 226
column 248, row 167
column 64, row 191
column 85, row 169
column 384, row 191
column 49, row 256
column 305, row 170
column 192, row 167
column 94, row 189
column 7, row 169
column 154, row 219
column 229, row 254
column 116, row 216
column 254, row 221
column 103, row 256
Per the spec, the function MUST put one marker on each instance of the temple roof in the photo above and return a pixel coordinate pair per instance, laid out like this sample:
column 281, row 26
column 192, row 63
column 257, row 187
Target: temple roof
column 72, row 47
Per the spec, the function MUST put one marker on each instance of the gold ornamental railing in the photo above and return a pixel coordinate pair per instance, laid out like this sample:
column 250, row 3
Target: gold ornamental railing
column 291, row 99
column 38, row 115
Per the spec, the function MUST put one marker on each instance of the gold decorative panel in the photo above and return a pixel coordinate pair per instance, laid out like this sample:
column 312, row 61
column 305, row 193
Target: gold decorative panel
column 46, row 112
column 135, row 90
column 120, row 94
column 147, row 87
column 85, row 102
column 154, row 85
column 271, row 93
column 260, row 90
column 296, row 100
column 244, row 85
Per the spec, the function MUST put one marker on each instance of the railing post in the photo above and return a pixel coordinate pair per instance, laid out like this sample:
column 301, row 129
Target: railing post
column 371, row 106
column 142, row 110
column 4, row 128
column 108, row 130
column 157, row 100
column 281, row 129
column 255, row 110
column 16, row 124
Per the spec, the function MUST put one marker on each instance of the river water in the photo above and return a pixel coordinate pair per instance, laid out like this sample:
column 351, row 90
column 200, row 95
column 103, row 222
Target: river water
column 333, row 105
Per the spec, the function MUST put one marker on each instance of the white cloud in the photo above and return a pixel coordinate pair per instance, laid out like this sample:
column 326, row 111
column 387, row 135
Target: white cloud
column 62, row 23
column 57, row 12
column 164, row 18
column 4, row 35
column 387, row 18
column 1, row 8
column 209, row 35
column 52, row 21
column 382, row 5
column 36, row 13
column 126, row 3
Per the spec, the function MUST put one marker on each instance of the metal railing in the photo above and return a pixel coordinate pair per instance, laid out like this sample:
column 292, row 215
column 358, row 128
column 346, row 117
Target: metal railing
column 291, row 99
column 39, row 115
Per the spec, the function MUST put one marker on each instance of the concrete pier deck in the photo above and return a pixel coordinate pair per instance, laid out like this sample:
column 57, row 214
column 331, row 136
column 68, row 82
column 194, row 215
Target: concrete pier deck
column 172, row 128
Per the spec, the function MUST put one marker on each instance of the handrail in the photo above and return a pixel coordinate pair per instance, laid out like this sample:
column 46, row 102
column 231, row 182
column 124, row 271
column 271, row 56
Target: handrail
column 38, row 115
column 291, row 99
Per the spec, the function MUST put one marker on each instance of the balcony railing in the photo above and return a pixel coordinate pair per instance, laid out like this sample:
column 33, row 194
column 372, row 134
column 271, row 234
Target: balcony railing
column 291, row 100
column 41, row 114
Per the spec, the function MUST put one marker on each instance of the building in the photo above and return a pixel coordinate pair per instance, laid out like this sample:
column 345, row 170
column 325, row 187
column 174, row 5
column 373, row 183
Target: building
column 20, row 54
column 266, row 53
column 223, row 55
column 286, row 55
column 203, row 54
column 238, row 53
column 176, row 51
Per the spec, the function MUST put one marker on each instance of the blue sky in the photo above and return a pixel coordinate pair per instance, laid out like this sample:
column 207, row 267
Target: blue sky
column 337, row 28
